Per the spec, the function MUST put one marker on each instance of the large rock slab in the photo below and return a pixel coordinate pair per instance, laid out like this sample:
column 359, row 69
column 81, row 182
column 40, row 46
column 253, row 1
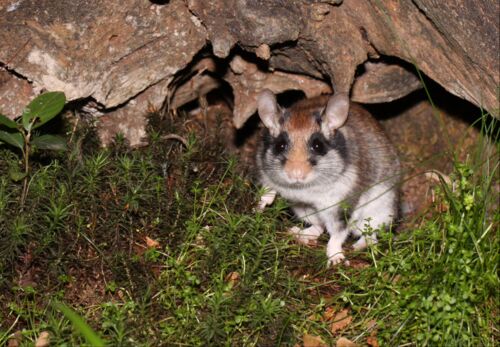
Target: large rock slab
column 455, row 43
column 15, row 93
column 109, row 50
column 125, row 56
column 446, row 50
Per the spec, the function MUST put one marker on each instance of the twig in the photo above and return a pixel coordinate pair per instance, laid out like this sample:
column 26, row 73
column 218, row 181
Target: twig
column 175, row 137
column 74, row 126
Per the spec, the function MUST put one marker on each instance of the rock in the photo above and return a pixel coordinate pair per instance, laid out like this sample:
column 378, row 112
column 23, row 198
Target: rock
column 248, row 23
column 15, row 93
column 263, row 52
column 384, row 82
column 131, row 121
column 247, row 80
column 125, row 56
column 110, row 51
column 454, row 43
column 196, row 82
column 403, row 30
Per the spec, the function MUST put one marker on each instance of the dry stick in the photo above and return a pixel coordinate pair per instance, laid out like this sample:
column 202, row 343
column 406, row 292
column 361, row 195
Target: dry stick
column 26, row 157
column 74, row 126
column 175, row 137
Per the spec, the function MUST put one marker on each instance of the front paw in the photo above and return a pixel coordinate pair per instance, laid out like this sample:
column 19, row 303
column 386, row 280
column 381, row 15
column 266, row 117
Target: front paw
column 337, row 259
column 308, row 236
column 266, row 199
column 335, row 254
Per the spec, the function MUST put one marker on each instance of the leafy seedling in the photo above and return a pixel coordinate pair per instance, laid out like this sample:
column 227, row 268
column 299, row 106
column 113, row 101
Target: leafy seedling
column 20, row 132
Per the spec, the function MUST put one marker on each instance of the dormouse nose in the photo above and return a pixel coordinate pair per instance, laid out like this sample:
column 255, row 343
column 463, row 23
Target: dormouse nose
column 297, row 170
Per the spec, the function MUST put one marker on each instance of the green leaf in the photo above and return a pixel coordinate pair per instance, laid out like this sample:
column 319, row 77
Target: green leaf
column 50, row 142
column 9, row 123
column 43, row 108
column 13, row 139
column 90, row 335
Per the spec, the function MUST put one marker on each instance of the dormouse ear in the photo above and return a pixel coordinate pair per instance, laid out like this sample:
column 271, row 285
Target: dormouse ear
column 268, row 110
column 335, row 113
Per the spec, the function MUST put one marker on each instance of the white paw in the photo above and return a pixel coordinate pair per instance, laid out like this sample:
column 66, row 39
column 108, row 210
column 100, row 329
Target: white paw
column 359, row 244
column 266, row 199
column 307, row 236
column 364, row 241
column 337, row 259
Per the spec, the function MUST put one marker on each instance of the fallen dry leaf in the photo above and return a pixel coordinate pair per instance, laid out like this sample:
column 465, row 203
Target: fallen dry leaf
column 15, row 339
column 43, row 340
column 313, row 317
column 233, row 278
column 371, row 324
column 313, row 341
column 359, row 264
column 372, row 341
column 150, row 243
column 343, row 342
column 396, row 278
column 435, row 176
column 341, row 321
column 328, row 314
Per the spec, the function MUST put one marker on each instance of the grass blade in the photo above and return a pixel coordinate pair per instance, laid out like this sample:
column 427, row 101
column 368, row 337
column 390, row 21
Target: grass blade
column 90, row 335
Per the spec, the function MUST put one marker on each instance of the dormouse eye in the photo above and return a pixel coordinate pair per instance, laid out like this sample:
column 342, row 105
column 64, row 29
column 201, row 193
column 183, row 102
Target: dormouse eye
column 317, row 146
column 280, row 144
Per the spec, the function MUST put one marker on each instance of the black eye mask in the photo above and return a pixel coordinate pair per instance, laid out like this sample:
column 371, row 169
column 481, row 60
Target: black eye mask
column 319, row 145
column 338, row 143
column 280, row 144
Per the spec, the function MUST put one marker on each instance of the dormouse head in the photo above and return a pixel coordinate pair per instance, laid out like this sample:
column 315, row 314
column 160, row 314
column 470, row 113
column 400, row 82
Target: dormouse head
column 303, row 144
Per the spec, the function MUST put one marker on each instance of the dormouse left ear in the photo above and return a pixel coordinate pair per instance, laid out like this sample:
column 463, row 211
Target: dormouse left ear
column 335, row 113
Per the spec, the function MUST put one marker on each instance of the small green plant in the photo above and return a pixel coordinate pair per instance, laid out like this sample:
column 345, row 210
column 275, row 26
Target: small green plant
column 20, row 133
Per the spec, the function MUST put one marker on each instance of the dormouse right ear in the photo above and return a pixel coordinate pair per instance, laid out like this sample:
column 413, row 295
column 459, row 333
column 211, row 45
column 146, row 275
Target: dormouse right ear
column 269, row 111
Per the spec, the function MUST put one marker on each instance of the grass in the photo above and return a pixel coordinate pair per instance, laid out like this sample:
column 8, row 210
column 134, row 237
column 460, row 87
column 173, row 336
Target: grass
column 437, row 283
column 161, row 246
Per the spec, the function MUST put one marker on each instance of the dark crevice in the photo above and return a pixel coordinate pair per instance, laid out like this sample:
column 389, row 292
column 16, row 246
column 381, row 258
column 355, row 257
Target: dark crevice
column 160, row 2
column 366, row 39
column 13, row 72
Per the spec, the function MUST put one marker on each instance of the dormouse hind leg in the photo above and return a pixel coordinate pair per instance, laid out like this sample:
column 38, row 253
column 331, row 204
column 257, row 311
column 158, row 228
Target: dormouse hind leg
column 307, row 236
column 376, row 208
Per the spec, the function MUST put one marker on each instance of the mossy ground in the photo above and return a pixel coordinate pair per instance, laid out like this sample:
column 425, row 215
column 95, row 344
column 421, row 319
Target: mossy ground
column 161, row 246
